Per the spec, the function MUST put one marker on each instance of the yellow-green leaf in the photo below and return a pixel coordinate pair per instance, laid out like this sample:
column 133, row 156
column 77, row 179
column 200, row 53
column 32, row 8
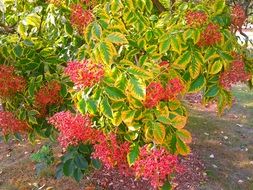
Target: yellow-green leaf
column 197, row 84
column 117, row 38
column 195, row 69
column 116, row 118
column 128, row 116
column 137, row 88
column 107, row 51
column 184, row 135
column 210, row 54
column 159, row 133
column 139, row 72
column 216, row 67
column 176, row 44
column 183, row 60
column 96, row 30
column 219, row 6
column 114, row 93
column 164, row 46
column 106, row 108
column 133, row 154
column 182, row 148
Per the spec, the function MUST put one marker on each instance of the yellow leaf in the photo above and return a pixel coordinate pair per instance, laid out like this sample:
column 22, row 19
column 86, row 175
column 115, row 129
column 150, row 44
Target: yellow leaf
column 183, row 60
column 128, row 116
column 216, row 67
column 116, row 118
column 159, row 133
column 182, row 148
column 184, row 135
column 179, row 121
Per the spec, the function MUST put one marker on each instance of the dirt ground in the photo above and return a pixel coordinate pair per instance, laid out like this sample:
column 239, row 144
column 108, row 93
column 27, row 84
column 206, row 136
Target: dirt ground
column 223, row 144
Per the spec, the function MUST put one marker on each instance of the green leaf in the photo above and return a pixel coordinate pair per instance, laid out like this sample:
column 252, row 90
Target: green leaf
column 138, row 72
column 216, row 67
column 69, row 167
column 81, row 162
column 114, row 93
column 159, row 133
column 88, row 33
column 197, row 84
column 182, row 148
column 166, row 186
column 183, row 60
column 78, row 175
column 149, row 5
column 116, row 5
column 96, row 163
column 117, row 38
column 28, row 43
column 97, row 30
column 106, row 108
column 128, row 116
column 164, row 120
column 165, row 3
column 68, row 28
column 212, row 91
column 175, row 44
column 195, row 69
column 133, row 154
column 210, row 54
column 138, row 88
column 32, row 19
column 32, row 119
column 18, row 50
column 117, row 120
column 164, row 46
column 117, row 105
column 81, row 106
column 91, row 106
column 64, row 90
column 31, row 137
column 107, row 51
column 121, row 82
column 151, row 49
column 219, row 6
column 225, row 55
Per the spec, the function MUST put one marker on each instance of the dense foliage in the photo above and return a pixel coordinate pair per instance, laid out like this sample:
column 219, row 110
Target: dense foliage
column 107, row 77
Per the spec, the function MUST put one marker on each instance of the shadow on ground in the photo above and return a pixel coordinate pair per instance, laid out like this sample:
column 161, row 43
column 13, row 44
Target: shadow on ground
column 225, row 144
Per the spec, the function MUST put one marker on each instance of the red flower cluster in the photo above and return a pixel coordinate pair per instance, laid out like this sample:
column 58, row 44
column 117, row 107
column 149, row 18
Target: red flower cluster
column 85, row 73
column 73, row 128
column 196, row 18
column 155, row 165
column 173, row 88
column 164, row 64
column 10, row 83
column 79, row 17
column 238, row 16
column 210, row 36
column 234, row 75
column 10, row 125
column 112, row 153
column 155, row 92
column 48, row 95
